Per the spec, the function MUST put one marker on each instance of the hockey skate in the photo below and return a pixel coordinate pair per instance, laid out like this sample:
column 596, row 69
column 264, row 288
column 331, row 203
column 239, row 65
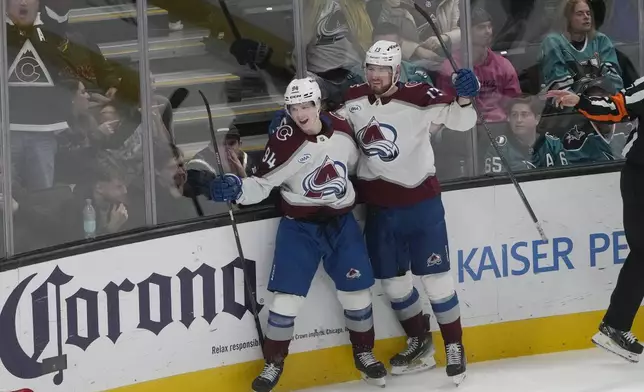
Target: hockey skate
column 373, row 372
column 621, row 343
column 417, row 357
column 456, row 362
column 268, row 378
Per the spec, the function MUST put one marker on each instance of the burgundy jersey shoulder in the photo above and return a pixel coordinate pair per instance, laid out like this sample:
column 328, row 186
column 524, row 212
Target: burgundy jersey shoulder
column 422, row 94
column 339, row 123
column 357, row 91
column 280, row 148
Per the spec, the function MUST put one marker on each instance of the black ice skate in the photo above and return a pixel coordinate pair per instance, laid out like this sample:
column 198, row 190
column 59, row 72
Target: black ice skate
column 621, row 343
column 373, row 371
column 456, row 362
column 269, row 377
column 418, row 356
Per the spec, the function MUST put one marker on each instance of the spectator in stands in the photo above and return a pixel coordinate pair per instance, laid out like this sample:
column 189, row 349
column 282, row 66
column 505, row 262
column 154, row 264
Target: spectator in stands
column 337, row 34
column 238, row 160
column 577, row 52
column 428, row 53
column 171, row 185
column 522, row 146
column 588, row 141
column 409, row 72
column 108, row 193
column 498, row 78
column 39, row 100
column 77, row 145
column 84, row 61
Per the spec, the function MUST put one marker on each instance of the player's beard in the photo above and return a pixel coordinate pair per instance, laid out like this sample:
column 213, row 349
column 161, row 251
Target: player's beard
column 380, row 89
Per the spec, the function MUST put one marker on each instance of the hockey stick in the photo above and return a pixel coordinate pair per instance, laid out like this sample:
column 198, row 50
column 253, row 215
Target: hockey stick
column 504, row 161
column 247, row 283
column 233, row 26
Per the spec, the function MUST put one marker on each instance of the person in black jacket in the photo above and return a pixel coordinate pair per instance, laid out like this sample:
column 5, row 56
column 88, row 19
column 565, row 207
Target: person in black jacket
column 615, row 330
column 39, row 98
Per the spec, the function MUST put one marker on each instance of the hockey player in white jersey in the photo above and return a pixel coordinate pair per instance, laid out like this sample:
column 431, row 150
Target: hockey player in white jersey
column 405, row 228
column 310, row 159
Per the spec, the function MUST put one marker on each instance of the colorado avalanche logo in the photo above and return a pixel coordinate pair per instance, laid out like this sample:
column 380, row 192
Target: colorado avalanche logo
column 332, row 25
column 379, row 140
column 328, row 179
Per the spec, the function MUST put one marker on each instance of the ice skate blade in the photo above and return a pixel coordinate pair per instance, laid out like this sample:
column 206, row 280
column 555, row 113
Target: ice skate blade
column 416, row 366
column 376, row 382
column 458, row 379
column 604, row 342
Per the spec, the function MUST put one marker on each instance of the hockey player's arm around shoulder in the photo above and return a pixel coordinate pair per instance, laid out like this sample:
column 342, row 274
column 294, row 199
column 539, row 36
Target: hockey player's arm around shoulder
column 459, row 114
column 614, row 108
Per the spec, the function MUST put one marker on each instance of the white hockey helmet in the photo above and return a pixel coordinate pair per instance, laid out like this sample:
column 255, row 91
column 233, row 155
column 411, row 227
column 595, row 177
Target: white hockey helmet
column 302, row 91
column 386, row 54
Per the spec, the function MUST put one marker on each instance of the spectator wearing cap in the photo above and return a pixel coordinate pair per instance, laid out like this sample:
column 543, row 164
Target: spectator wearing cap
column 578, row 52
column 498, row 78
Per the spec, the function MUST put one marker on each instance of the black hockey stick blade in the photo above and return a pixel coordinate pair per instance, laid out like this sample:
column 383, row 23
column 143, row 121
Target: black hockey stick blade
column 504, row 161
column 178, row 96
column 252, row 295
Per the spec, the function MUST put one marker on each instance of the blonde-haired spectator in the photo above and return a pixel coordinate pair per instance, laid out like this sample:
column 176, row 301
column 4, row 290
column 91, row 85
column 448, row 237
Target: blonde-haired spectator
column 577, row 51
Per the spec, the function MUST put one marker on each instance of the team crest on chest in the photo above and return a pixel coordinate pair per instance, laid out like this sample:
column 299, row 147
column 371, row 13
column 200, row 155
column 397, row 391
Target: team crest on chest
column 330, row 178
column 377, row 139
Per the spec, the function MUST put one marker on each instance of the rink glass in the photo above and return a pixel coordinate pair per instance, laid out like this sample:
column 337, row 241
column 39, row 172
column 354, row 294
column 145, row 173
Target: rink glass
column 118, row 149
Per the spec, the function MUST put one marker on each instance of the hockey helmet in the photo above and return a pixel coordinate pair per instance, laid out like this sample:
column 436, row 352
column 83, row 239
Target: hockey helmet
column 386, row 54
column 302, row 91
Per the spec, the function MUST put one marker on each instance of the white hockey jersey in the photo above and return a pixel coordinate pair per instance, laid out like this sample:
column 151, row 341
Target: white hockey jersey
column 396, row 166
column 312, row 171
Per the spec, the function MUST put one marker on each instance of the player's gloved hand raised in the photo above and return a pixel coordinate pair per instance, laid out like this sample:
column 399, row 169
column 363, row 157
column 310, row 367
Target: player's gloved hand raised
column 466, row 83
column 226, row 188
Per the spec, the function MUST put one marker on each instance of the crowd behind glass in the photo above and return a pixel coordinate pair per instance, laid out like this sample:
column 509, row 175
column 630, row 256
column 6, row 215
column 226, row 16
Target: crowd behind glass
column 75, row 116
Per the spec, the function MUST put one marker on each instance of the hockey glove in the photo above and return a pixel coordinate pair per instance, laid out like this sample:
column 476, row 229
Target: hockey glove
column 247, row 51
column 466, row 83
column 226, row 188
column 199, row 183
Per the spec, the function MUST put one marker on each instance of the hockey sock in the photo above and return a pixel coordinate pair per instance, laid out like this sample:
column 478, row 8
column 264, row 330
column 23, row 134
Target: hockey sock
column 448, row 315
column 279, row 333
column 410, row 313
column 360, row 326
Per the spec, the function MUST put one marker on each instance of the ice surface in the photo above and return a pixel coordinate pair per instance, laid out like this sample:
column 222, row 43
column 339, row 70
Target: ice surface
column 577, row 371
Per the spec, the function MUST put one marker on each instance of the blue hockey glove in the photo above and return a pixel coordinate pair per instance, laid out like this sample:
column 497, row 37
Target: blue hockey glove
column 466, row 83
column 226, row 188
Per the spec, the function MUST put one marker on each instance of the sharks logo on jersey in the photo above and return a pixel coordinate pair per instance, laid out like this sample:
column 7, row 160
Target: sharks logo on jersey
column 330, row 178
column 332, row 25
column 378, row 139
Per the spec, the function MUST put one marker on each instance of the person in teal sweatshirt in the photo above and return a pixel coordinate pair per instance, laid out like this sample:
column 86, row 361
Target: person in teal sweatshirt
column 578, row 52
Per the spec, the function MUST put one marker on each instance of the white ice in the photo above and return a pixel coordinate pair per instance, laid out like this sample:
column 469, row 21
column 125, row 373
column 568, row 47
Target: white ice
column 576, row 371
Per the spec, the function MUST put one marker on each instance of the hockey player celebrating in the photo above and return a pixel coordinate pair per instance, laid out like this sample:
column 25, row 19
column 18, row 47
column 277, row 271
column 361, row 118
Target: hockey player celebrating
column 310, row 158
column 405, row 226
column 615, row 329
